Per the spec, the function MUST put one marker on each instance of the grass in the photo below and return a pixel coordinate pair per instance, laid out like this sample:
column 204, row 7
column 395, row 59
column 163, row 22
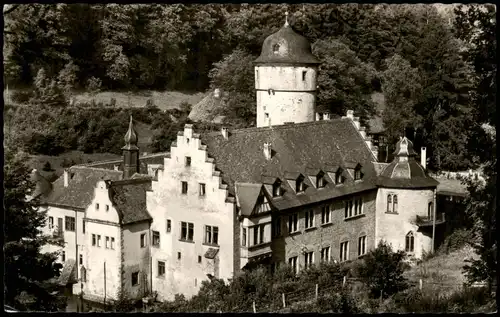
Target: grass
column 164, row 100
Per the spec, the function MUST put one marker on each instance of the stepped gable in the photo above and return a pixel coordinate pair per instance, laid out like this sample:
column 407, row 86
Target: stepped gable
column 129, row 199
column 404, row 171
column 81, row 184
column 324, row 145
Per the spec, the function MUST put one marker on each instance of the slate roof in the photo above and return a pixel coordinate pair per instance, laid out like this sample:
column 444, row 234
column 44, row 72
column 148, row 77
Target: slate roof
column 129, row 199
column 246, row 197
column 296, row 147
column 80, row 190
column 294, row 48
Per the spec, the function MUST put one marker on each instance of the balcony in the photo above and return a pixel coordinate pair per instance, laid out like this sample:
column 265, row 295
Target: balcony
column 428, row 221
column 259, row 250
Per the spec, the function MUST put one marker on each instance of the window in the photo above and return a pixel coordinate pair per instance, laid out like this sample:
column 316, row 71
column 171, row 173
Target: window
column 277, row 227
column 262, row 205
column 255, row 235
column 63, row 256
column 304, row 75
column 70, row 223
column 188, row 161
column 211, row 235
column 344, row 251
column 184, row 187
column 199, row 258
column 187, row 231
column 292, row 223
column 308, row 259
column 299, row 185
column 156, row 239
column 409, row 242
column 202, row 189
column 143, row 240
column 135, row 278
column 430, row 210
column 357, row 173
column 81, row 259
column 96, row 206
column 325, row 214
column 389, row 203
column 348, row 208
column 293, row 263
column 339, row 179
column 395, row 203
column 83, row 226
column 112, row 243
column 244, row 237
column 51, row 222
column 320, row 180
column 161, row 268
column 309, row 219
column 261, row 233
column 325, row 254
column 276, row 48
column 169, row 225
column 277, row 189
column 358, row 206
column 107, row 207
column 93, row 240
column 362, row 246
column 107, row 243
column 179, row 256
column 99, row 240
column 266, row 114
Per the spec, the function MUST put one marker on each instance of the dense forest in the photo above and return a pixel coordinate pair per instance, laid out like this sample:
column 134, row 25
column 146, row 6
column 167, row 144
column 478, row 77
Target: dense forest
column 437, row 72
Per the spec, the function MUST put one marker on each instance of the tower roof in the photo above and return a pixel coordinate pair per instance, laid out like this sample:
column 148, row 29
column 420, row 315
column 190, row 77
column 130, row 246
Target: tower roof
column 130, row 137
column 286, row 47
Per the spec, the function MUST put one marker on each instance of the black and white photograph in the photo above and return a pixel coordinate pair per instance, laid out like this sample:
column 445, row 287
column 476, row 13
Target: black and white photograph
column 250, row 158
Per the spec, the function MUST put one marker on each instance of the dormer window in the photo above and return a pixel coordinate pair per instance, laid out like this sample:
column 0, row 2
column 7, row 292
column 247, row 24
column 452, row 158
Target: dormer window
column 339, row 179
column 320, row 180
column 357, row 173
column 276, row 48
column 277, row 188
column 262, row 204
column 299, row 184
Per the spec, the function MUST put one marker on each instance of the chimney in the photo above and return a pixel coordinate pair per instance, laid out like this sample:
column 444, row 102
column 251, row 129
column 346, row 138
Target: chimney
column 217, row 93
column 318, row 116
column 267, row 151
column 225, row 133
column 326, row 116
column 350, row 114
column 423, row 157
column 115, row 167
column 66, row 177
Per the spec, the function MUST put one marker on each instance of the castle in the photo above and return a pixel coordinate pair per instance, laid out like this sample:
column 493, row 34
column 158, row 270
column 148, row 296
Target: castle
column 294, row 190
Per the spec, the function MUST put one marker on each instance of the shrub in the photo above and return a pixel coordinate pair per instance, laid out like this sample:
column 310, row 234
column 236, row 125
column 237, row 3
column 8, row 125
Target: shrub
column 382, row 270
column 456, row 240
column 22, row 96
column 94, row 85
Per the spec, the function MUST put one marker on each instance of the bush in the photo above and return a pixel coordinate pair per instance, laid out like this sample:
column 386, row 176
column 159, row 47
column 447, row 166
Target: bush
column 382, row 271
column 22, row 96
column 94, row 85
column 456, row 240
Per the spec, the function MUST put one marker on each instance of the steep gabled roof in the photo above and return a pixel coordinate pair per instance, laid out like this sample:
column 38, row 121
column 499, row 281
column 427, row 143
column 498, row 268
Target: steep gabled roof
column 80, row 190
column 295, row 147
column 246, row 197
column 129, row 199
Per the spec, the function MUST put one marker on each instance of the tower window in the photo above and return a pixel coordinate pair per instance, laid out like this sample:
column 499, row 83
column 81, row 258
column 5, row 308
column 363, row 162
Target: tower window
column 304, row 75
column 276, row 48
column 266, row 115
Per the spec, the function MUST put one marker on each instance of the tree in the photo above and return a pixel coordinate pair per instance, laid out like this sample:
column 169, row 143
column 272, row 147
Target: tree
column 382, row 270
column 27, row 270
column 344, row 81
column 68, row 77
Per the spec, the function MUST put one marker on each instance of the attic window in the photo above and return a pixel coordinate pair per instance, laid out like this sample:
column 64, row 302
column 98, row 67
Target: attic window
column 299, row 185
column 338, row 177
column 277, row 188
column 320, row 180
column 304, row 75
column 357, row 173
column 276, row 48
column 262, row 205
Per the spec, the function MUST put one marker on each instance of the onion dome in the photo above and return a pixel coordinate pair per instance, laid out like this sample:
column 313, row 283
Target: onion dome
column 286, row 47
column 130, row 137
column 404, row 171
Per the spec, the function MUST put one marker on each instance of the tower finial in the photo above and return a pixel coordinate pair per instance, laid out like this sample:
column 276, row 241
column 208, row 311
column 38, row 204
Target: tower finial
column 131, row 136
column 286, row 19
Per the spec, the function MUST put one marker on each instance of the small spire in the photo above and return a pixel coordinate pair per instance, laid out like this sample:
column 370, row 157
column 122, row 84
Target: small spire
column 286, row 19
column 131, row 136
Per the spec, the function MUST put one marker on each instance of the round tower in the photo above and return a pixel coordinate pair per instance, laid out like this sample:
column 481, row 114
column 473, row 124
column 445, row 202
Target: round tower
column 285, row 79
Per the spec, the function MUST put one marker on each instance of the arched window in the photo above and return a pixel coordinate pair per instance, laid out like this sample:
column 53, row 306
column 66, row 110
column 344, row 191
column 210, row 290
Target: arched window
column 430, row 210
column 395, row 203
column 409, row 242
column 389, row 203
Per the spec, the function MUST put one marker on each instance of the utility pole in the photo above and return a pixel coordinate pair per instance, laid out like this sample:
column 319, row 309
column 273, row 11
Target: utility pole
column 104, row 284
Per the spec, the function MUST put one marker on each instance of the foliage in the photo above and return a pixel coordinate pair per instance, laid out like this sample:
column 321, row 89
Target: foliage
column 68, row 77
column 382, row 270
column 27, row 270
column 94, row 85
column 457, row 239
column 47, row 91
column 47, row 167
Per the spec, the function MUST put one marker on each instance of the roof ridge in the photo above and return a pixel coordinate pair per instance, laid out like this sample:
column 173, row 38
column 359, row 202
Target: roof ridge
column 80, row 167
column 129, row 181
column 119, row 160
